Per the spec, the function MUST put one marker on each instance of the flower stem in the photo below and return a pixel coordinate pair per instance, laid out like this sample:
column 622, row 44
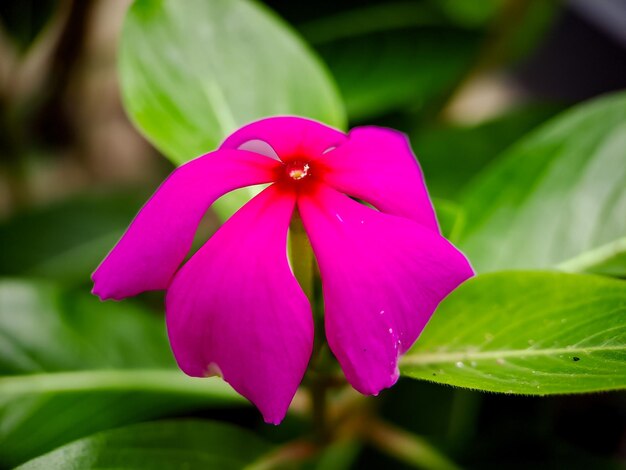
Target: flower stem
column 407, row 447
column 319, row 406
column 301, row 257
column 288, row 454
column 305, row 271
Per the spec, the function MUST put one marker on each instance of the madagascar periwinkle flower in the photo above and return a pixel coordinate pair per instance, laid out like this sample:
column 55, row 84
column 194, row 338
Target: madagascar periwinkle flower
column 235, row 308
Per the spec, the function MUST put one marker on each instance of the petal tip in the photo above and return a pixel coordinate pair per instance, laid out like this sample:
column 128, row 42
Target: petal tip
column 274, row 420
column 273, row 409
column 375, row 385
column 103, row 290
column 99, row 292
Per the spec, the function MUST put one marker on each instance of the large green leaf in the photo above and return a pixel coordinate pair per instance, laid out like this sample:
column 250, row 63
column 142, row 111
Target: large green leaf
column 159, row 445
column 71, row 365
column 194, row 71
column 557, row 195
column 534, row 333
column 67, row 240
column 450, row 155
column 398, row 69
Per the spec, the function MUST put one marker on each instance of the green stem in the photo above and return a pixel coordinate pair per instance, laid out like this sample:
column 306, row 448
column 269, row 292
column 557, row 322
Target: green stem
column 405, row 446
column 301, row 257
column 304, row 269
column 594, row 257
column 319, row 405
column 492, row 52
column 285, row 456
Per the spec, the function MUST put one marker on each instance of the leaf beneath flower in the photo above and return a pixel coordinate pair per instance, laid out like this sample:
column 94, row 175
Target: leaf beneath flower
column 527, row 333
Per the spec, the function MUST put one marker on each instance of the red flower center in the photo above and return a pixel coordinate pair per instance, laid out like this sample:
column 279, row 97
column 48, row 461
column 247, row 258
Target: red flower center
column 297, row 170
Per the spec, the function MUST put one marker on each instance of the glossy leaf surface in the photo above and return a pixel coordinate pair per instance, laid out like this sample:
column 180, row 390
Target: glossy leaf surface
column 159, row 445
column 190, row 78
column 528, row 333
column 556, row 195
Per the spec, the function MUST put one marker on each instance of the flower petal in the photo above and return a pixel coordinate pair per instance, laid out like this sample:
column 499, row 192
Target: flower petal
column 382, row 278
column 235, row 309
column 289, row 136
column 156, row 242
column 378, row 166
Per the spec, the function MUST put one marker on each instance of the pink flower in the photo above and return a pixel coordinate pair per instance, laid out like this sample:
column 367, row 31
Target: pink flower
column 235, row 308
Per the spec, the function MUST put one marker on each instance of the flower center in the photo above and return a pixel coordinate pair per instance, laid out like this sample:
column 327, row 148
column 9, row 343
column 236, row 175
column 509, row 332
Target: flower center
column 297, row 170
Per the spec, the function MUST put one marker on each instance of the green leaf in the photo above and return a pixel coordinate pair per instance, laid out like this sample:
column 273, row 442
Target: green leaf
column 469, row 14
column 159, row 445
column 385, row 71
column 194, row 71
column 516, row 27
column 534, row 333
column 66, row 241
column 557, row 194
column 386, row 16
column 608, row 259
column 451, row 155
column 71, row 365
column 451, row 218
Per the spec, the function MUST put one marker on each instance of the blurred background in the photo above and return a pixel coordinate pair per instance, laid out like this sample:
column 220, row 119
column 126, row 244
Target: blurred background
column 461, row 78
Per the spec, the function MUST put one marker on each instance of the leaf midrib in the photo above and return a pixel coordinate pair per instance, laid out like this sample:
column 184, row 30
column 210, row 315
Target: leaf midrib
column 453, row 357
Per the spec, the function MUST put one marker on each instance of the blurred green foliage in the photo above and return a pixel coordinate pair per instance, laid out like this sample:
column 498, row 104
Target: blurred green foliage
column 24, row 20
column 555, row 195
column 72, row 365
column 163, row 445
column 67, row 239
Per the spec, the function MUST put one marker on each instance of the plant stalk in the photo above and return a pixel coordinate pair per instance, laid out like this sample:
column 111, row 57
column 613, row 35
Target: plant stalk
column 305, row 271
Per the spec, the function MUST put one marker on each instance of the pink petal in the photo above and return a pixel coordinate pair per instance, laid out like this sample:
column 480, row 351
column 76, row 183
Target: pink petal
column 157, row 241
column 235, row 308
column 378, row 166
column 382, row 278
column 290, row 137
